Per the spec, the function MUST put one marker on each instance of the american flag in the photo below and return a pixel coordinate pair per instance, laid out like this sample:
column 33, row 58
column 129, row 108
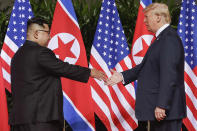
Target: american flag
column 113, row 105
column 15, row 36
column 187, row 29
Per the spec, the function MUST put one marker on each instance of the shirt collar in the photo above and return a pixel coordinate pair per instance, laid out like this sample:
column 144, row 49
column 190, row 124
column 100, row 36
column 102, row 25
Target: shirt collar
column 161, row 29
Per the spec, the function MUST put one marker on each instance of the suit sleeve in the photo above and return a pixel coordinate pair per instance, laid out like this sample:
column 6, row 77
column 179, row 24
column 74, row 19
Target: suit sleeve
column 51, row 64
column 131, row 74
column 169, row 59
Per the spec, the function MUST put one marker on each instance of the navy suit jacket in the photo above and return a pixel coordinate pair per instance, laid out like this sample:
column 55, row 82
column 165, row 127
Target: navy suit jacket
column 160, row 78
column 36, row 86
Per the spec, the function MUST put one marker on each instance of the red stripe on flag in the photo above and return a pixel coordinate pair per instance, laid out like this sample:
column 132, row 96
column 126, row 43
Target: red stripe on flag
column 195, row 70
column 190, row 83
column 3, row 106
column 122, row 110
column 95, row 64
column 7, row 49
column 5, row 66
column 191, row 106
column 188, row 124
column 128, row 97
column 102, row 117
column 106, row 100
column 7, row 85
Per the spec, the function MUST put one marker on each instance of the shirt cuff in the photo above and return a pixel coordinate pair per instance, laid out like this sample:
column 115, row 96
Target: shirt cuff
column 122, row 78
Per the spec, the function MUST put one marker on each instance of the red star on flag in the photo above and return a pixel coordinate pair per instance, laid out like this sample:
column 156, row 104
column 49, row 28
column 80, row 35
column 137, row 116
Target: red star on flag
column 143, row 51
column 63, row 49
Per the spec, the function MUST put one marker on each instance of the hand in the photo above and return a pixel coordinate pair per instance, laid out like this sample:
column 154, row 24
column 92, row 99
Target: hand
column 160, row 113
column 114, row 79
column 98, row 74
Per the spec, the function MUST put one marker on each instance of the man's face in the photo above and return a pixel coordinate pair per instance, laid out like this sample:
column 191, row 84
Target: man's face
column 44, row 35
column 150, row 20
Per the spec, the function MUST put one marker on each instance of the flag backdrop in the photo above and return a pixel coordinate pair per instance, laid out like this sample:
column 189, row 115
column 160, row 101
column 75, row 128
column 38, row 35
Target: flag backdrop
column 15, row 37
column 113, row 105
column 142, row 37
column 187, row 29
column 67, row 43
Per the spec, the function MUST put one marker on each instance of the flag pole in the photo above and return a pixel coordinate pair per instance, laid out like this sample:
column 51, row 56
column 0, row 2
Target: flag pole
column 64, row 128
column 148, row 127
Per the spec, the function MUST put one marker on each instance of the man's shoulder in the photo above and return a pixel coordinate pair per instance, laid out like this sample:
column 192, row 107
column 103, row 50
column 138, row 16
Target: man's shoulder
column 171, row 30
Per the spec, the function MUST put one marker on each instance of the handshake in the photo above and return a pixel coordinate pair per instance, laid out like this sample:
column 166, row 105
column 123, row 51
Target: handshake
column 114, row 79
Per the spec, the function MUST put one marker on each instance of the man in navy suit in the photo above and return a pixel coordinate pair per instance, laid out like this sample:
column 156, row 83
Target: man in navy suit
column 35, row 82
column 160, row 95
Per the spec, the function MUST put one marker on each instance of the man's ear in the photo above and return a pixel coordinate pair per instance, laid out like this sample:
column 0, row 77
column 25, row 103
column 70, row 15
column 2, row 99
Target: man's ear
column 36, row 35
column 158, row 18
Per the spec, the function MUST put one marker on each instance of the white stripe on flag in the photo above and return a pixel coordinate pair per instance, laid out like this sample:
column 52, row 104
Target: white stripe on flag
column 191, row 118
column 124, row 102
column 100, row 61
column 6, row 75
column 10, row 44
column 118, row 67
column 115, row 109
column 142, row 4
column 131, row 90
column 104, row 108
column 191, row 74
column 5, row 57
column 191, row 95
column 128, row 63
column 129, row 87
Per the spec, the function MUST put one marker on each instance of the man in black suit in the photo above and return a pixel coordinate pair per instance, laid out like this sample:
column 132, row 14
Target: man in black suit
column 160, row 95
column 35, row 82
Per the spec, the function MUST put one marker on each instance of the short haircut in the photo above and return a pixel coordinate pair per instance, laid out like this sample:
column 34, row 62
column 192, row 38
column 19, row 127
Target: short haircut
column 159, row 9
column 36, row 20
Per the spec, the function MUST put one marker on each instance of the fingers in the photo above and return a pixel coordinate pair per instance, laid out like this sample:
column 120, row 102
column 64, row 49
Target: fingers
column 113, row 71
column 114, row 79
column 110, row 82
column 98, row 74
column 160, row 113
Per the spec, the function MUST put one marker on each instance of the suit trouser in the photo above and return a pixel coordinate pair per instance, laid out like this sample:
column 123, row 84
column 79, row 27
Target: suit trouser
column 166, row 125
column 48, row 126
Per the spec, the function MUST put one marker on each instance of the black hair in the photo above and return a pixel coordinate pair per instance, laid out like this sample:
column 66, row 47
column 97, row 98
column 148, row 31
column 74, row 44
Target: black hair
column 36, row 20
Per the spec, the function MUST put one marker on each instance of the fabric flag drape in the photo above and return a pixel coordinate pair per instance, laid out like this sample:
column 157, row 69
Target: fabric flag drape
column 142, row 37
column 67, row 43
column 187, row 31
column 113, row 105
column 14, row 38
column 3, row 106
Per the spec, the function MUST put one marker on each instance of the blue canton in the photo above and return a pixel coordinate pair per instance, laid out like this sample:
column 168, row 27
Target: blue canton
column 17, row 27
column 187, row 30
column 109, row 39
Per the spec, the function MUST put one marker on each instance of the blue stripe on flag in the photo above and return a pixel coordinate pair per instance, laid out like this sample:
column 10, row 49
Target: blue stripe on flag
column 146, row 2
column 74, row 120
column 68, row 5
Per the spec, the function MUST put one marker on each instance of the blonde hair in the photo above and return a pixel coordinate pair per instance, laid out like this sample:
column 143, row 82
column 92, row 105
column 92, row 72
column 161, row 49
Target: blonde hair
column 159, row 9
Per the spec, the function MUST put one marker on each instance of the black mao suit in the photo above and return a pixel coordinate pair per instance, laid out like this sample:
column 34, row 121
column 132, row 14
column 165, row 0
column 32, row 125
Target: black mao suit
column 36, row 85
column 160, row 78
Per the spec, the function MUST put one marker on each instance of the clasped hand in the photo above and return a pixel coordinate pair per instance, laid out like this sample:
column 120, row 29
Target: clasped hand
column 114, row 79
